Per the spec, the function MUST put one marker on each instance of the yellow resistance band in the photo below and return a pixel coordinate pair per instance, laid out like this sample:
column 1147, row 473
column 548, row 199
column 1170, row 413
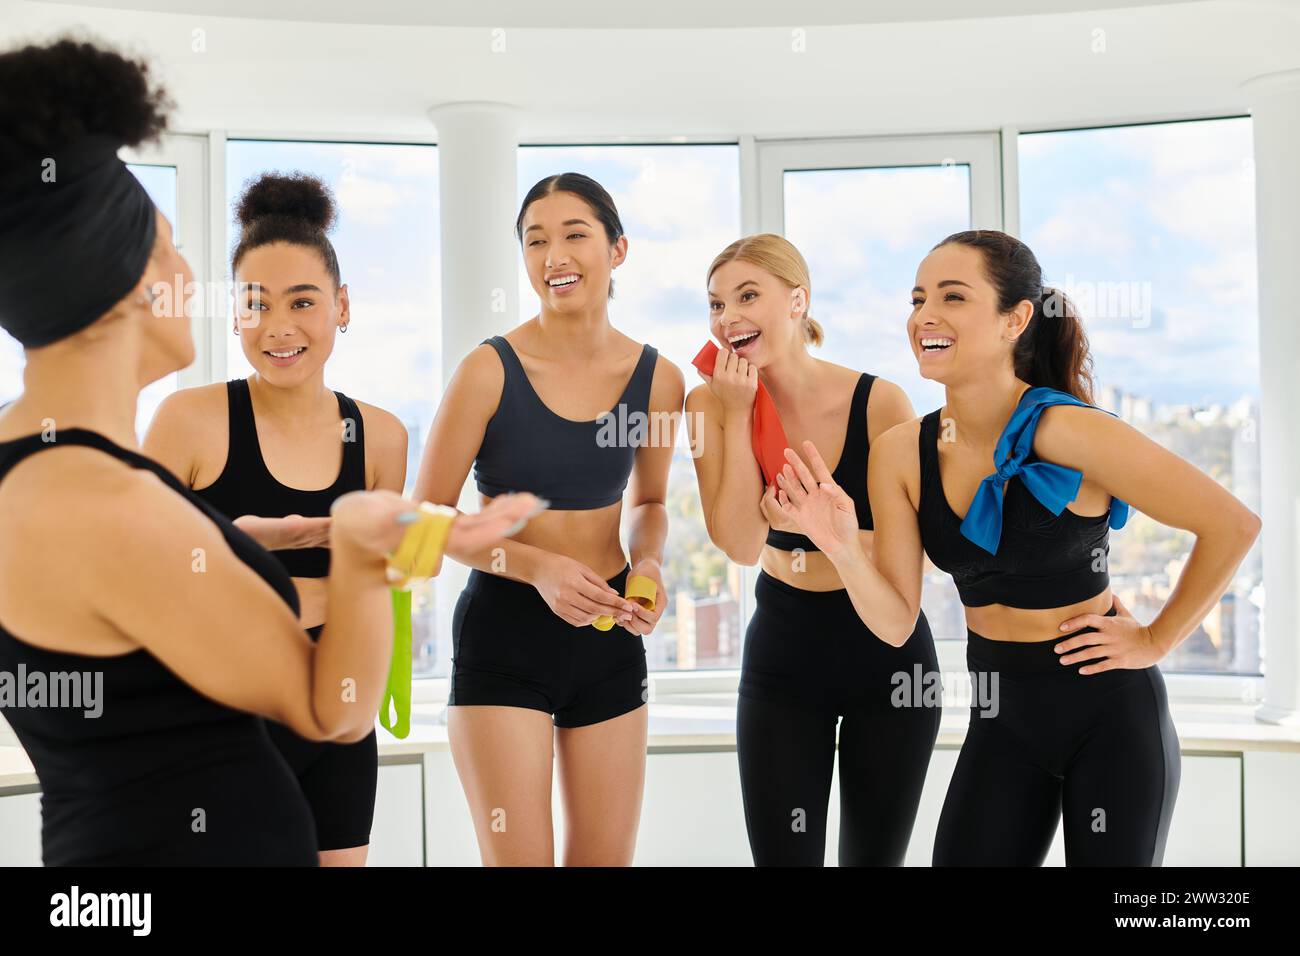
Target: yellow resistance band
column 640, row 589
column 419, row 556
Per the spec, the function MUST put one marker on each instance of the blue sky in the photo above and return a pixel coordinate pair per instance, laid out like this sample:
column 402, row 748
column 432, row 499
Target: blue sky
column 1171, row 206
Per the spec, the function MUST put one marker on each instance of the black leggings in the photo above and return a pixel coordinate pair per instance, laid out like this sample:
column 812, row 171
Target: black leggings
column 1047, row 744
column 808, row 660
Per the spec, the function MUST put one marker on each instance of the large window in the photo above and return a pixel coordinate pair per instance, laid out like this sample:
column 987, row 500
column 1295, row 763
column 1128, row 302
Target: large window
column 864, row 213
column 1151, row 230
column 863, row 232
column 386, row 238
column 680, row 206
column 160, row 183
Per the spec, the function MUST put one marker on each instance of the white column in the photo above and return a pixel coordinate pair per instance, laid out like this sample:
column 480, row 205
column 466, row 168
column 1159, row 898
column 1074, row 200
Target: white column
column 1275, row 107
column 478, row 200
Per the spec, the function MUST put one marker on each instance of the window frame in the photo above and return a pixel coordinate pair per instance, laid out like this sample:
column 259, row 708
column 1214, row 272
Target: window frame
column 1185, row 688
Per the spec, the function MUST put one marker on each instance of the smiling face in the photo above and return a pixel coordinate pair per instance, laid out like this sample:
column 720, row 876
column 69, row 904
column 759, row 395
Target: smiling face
column 567, row 253
column 753, row 313
column 956, row 328
column 287, row 311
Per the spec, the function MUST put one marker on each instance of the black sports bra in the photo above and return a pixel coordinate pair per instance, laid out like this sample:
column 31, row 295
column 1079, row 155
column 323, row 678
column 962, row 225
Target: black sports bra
column 577, row 466
column 246, row 487
column 1043, row 560
column 850, row 471
column 120, row 788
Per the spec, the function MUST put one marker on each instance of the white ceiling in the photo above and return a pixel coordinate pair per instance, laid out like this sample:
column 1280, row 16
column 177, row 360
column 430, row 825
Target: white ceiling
column 643, row 80
column 603, row 14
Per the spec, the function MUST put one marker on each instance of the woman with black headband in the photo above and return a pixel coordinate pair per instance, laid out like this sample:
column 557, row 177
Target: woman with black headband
column 278, row 482
column 117, row 579
column 1069, row 720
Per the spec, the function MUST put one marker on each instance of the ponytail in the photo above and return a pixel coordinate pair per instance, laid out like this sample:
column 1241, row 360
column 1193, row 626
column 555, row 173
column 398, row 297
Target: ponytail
column 1053, row 349
column 812, row 330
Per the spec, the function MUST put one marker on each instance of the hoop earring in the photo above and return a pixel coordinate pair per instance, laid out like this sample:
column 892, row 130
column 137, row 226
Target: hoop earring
column 344, row 326
column 236, row 330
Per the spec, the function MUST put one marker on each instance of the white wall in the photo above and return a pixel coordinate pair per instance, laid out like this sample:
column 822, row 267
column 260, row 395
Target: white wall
column 1231, row 808
column 349, row 79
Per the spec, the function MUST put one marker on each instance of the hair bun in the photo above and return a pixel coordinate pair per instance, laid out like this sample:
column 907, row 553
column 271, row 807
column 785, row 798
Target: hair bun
column 293, row 195
column 56, row 94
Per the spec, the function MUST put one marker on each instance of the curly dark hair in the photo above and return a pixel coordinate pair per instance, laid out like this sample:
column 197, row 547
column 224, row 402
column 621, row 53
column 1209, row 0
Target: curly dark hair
column 286, row 207
column 59, row 92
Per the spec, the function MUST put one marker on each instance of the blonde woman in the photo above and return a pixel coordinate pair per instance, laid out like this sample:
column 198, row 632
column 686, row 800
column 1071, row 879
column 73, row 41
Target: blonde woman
column 809, row 663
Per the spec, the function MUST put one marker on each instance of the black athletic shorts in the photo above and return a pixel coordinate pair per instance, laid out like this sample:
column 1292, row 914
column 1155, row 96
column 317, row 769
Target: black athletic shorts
column 510, row 649
column 338, row 780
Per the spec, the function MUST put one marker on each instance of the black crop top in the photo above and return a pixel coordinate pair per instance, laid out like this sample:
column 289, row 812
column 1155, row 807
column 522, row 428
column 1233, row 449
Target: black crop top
column 850, row 471
column 575, row 465
column 246, row 487
column 124, row 787
column 1043, row 560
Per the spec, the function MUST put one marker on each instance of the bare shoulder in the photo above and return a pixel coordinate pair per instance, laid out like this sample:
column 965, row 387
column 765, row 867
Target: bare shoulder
column 73, row 493
column 887, row 406
column 386, row 436
column 887, row 393
column 199, row 407
column 380, row 422
column 838, row 376
column 68, row 507
column 61, row 480
column 897, row 446
column 668, row 385
column 702, row 399
column 482, row 367
column 189, row 433
column 474, row 392
column 478, row 381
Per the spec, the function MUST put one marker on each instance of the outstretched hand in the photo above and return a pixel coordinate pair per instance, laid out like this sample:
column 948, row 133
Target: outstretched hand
column 809, row 496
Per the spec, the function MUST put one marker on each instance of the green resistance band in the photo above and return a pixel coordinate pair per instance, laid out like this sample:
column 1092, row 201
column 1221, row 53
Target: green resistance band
column 397, row 695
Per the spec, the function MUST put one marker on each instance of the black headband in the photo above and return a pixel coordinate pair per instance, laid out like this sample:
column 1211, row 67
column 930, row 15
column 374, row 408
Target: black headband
column 72, row 247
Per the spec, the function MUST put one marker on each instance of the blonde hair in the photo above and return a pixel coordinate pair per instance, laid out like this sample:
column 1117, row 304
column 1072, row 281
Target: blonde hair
column 778, row 257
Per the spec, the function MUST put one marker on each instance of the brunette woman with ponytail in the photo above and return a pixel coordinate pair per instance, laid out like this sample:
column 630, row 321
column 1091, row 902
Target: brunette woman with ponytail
column 1069, row 720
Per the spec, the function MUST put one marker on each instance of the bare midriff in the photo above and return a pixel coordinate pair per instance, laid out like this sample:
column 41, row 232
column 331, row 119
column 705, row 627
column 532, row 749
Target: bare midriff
column 997, row 622
column 590, row 536
column 808, row 570
column 813, row 571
